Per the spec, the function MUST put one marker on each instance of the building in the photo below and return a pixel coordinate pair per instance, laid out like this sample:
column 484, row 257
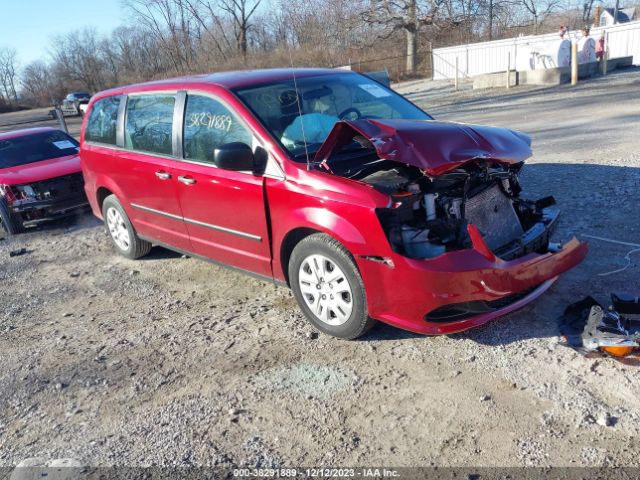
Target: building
column 624, row 15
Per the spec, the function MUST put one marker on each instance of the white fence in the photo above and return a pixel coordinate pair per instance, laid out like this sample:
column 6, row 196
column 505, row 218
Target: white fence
column 496, row 56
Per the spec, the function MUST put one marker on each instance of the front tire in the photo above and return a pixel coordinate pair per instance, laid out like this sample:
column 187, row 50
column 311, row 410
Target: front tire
column 123, row 235
column 10, row 223
column 328, row 287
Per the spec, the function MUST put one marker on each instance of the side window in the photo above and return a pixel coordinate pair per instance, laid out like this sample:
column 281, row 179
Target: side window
column 207, row 125
column 148, row 127
column 101, row 126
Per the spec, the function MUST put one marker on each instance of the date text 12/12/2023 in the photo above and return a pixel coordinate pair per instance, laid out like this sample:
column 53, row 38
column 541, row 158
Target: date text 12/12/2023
column 317, row 473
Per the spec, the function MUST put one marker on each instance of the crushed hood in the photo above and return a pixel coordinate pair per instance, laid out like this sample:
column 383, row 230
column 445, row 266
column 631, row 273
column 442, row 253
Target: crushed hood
column 436, row 147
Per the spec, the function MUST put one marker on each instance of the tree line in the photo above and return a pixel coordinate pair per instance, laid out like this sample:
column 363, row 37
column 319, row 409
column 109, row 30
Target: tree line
column 165, row 38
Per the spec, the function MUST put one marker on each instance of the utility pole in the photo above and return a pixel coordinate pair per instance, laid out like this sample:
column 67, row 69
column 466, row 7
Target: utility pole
column 615, row 12
column 574, row 62
column 456, row 77
column 508, row 70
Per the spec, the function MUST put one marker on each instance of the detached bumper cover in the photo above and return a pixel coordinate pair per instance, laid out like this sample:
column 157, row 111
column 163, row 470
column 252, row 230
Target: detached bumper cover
column 404, row 295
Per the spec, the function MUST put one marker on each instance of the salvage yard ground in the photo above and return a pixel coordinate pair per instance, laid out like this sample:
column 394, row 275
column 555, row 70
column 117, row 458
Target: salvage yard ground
column 170, row 360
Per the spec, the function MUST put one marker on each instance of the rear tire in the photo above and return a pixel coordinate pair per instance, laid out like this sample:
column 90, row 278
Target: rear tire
column 10, row 223
column 328, row 287
column 123, row 235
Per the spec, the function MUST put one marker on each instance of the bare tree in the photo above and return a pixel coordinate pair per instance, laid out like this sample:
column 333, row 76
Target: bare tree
column 9, row 72
column 35, row 84
column 241, row 12
column 462, row 19
column 77, row 60
column 318, row 24
column 205, row 14
column 494, row 10
column 539, row 9
column 405, row 15
column 172, row 25
column 171, row 37
column 137, row 55
column 587, row 7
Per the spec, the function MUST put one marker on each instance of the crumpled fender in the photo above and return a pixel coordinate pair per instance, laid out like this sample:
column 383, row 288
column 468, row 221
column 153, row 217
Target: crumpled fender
column 436, row 147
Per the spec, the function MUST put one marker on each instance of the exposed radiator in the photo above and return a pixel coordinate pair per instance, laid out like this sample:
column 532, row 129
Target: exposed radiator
column 492, row 212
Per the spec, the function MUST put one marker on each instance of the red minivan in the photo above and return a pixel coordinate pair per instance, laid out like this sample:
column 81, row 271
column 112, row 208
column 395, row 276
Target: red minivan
column 331, row 183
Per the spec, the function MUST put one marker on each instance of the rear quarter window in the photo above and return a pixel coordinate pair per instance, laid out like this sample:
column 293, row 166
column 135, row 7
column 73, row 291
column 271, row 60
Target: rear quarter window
column 101, row 125
column 149, row 124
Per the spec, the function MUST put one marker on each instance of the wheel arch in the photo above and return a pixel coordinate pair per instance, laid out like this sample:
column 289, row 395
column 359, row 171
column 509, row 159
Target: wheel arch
column 314, row 220
column 108, row 187
column 101, row 194
column 289, row 242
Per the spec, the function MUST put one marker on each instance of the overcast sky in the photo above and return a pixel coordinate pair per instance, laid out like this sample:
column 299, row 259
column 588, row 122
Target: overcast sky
column 29, row 25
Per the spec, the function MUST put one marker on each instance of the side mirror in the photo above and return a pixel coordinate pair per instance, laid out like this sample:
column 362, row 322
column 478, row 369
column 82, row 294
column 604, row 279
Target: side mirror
column 236, row 156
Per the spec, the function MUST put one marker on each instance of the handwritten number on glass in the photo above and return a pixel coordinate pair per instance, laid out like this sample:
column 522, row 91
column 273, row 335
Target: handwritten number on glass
column 206, row 119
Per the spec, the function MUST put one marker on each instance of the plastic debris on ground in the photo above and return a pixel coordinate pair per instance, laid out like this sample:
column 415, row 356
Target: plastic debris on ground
column 591, row 328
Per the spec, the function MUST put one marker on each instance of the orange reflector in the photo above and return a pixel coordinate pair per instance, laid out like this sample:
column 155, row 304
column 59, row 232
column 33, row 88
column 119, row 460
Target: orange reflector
column 402, row 194
column 618, row 351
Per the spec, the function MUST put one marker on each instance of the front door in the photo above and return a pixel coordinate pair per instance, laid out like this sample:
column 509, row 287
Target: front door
column 224, row 211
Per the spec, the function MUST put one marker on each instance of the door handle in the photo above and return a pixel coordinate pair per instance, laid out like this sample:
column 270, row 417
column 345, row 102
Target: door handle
column 186, row 180
column 163, row 175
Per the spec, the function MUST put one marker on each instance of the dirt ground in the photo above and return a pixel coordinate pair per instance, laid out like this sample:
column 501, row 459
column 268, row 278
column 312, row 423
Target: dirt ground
column 172, row 361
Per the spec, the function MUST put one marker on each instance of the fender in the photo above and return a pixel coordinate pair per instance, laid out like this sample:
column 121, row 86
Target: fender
column 356, row 237
column 328, row 222
column 313, row 218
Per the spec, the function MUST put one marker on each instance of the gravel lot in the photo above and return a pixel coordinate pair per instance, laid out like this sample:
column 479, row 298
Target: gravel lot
column 38, row 117
column 172, row 361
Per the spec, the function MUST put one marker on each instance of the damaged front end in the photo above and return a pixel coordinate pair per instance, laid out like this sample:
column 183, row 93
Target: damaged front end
column 443, row 181
column 427, row 217
column 455, row 218
column 46, row 200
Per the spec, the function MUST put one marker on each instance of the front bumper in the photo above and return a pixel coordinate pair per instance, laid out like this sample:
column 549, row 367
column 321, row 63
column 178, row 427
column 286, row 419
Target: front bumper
column 414, row 294
column 40, row 211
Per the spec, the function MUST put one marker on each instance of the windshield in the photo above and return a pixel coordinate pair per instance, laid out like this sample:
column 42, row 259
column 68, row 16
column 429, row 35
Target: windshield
column 34, row 148
column 307, row 117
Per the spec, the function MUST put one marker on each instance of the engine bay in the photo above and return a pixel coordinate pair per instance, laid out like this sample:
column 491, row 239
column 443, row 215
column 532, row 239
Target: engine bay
column 428, row 215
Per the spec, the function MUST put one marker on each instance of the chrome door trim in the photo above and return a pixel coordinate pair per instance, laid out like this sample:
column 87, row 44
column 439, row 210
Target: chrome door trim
column 157, row 212
column 217, row 228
